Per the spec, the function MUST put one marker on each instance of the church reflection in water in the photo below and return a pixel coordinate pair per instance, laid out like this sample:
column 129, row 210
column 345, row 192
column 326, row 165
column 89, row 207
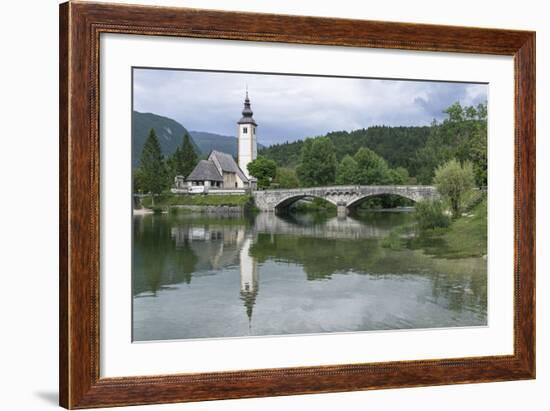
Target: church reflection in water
column 217, row 247
column 249, row 279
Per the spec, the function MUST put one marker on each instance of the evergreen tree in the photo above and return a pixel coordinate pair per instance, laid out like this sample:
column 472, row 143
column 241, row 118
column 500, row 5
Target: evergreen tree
column 152, row 171
column 189, row 158
column 174, row 165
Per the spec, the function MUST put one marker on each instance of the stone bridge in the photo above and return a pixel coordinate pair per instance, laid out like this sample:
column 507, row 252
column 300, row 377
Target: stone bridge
column 344, row 197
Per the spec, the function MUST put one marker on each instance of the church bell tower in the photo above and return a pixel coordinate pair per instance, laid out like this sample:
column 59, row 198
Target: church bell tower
column 247, row 148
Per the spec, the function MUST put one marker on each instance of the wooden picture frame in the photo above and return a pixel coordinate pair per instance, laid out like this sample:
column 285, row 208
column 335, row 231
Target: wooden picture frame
column 80, row 27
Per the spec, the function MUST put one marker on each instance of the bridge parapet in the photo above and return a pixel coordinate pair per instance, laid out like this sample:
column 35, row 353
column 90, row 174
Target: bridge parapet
column 341, row 196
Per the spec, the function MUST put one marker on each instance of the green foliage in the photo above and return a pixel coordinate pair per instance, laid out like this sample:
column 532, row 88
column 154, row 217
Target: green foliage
column 184, row 159
column 463, row 135
column 431, row 214
column 371, row 168
column 138, row 181
column 419, row 150
column 264, row 170
column 367, row 167
column 151, row 175
column 286, row 178
column 453, row 181
column 318, row 162
column 168, row 131
column 385, row 201
column 188, row 155
column 347, row 171
column 399, row 176
column 315, row 205
column 465, row 236
column 396, row 145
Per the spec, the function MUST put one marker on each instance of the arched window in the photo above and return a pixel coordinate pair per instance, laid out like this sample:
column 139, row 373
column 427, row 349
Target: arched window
column 245, row 130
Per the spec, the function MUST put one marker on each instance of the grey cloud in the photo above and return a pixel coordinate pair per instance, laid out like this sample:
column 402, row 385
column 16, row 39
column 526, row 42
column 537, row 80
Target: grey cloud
column 294, row 107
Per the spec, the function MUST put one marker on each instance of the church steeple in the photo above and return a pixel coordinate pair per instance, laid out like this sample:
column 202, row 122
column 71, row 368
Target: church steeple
column 247, row 112
column 246, row 133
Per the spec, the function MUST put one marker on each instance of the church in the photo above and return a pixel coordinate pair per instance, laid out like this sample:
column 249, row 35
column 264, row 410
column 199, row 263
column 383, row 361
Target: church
column 220, row 170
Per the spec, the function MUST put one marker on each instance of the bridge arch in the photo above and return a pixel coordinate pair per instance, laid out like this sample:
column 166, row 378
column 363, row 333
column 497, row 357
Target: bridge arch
column 357, row 201
column 291, row 199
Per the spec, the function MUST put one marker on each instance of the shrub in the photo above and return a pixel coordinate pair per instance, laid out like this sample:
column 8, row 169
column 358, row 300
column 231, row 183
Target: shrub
column 431, row 214
column 453, row 180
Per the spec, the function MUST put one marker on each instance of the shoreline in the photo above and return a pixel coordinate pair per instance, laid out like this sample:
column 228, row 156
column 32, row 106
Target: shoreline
column 203, row 209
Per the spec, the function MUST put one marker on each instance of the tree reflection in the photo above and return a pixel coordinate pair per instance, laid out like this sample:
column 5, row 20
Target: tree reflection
column 172, row 250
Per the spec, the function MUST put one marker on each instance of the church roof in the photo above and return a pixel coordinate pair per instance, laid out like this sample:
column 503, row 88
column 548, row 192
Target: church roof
column 205, row 170
column 247, row 113
column 228, row 164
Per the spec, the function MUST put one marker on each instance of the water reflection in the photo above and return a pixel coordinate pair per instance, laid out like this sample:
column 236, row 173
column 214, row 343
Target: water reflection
column 249, row 279
column 199, row 276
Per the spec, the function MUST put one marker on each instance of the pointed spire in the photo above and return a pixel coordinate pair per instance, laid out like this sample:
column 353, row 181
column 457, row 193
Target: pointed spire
column 247, row 111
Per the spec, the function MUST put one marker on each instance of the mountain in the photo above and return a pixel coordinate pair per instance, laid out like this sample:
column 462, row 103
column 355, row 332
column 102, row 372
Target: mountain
column 169, row 132
column 210, row 141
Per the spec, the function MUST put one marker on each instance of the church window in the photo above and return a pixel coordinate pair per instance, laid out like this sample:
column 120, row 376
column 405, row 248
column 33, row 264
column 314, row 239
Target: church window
column 245, row 130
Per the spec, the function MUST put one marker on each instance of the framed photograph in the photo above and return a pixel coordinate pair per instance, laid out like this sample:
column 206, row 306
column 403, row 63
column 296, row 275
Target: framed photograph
column 259, row 205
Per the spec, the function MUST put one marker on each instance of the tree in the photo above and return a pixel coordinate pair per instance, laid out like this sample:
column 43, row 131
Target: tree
column 463, row 135
column 347, row 171
column 453, row 181
column 152, row 171
column 189, row 158
column 263, row 169
column 318, row 162
column 286, row 178
column 371, row 168
column 398, row 175
column 174, row 165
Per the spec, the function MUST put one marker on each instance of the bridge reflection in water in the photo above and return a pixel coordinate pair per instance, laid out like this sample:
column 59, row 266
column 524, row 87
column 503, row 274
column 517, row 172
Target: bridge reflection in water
column 196, row 258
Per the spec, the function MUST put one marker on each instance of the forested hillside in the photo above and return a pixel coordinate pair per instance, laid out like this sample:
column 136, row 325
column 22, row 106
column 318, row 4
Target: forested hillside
column 169, row 133
column 394, row 144
column 416, row 150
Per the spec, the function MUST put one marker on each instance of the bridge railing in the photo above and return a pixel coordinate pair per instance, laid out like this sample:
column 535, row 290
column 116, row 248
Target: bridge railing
column 347, row 188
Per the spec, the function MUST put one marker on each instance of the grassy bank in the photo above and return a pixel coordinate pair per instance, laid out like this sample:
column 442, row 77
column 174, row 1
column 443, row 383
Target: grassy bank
column 465, row 237
column 171, row 200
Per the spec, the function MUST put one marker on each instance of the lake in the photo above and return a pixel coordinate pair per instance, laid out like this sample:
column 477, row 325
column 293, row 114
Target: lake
column 209, row 276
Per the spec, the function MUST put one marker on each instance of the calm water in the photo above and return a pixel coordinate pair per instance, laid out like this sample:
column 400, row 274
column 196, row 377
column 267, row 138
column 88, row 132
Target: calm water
column 198, row 276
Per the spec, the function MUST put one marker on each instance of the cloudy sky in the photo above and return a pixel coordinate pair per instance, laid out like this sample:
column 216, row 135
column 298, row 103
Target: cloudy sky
column 294, row 107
